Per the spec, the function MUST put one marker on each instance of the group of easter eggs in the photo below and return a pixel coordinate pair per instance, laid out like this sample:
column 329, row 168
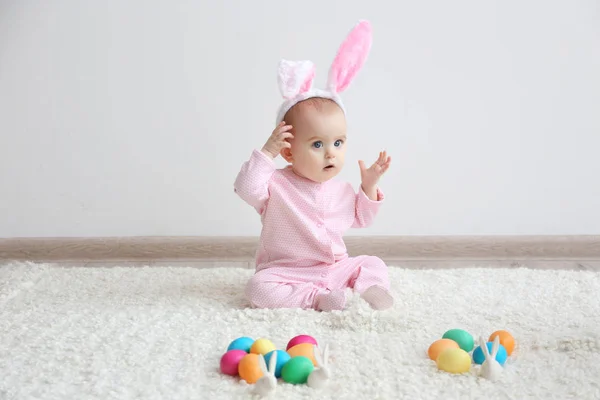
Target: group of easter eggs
column 451, row 352
column 293, row 365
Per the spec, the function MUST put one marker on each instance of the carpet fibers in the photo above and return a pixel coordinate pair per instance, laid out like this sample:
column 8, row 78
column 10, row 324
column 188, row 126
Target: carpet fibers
column 159, row 332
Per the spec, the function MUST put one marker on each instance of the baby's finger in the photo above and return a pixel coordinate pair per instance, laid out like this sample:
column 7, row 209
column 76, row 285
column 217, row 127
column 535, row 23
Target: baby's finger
column 283, row 128
column 386, row 166
column 286, row 135
column 279, row 128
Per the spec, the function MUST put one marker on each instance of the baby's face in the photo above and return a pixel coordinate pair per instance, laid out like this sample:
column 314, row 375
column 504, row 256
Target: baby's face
column 319, row 144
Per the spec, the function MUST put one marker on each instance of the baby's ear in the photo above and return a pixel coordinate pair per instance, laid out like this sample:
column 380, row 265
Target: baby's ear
column 286, row 153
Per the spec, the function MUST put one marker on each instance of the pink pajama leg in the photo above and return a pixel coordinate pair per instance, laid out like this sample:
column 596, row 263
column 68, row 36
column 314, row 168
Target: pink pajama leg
column 360, row 273
column 284, row 288
column 368, row 275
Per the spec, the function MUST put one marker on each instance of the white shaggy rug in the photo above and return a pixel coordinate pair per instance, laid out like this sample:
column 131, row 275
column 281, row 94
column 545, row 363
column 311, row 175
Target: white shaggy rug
column 158, row 333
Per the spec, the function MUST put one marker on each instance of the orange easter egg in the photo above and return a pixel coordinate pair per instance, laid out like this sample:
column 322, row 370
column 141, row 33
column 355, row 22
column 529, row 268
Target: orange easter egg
column 438, row 346
column 303, row 349
column 249, row 369
column 506, row 340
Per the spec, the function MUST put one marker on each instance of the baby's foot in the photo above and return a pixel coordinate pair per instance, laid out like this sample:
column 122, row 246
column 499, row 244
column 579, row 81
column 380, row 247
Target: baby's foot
column 334, row 300
column 378, row 297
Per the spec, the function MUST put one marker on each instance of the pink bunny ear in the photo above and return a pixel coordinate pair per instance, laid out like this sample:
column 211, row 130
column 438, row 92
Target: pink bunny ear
column 295, row 77
column 350, row 58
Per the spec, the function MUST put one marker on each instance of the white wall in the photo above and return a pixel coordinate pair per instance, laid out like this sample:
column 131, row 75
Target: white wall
column 133, row 118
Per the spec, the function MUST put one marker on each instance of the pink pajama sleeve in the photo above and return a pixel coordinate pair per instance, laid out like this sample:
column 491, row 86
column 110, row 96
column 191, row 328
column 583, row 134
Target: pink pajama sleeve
column 252, row 182
column 366, row 209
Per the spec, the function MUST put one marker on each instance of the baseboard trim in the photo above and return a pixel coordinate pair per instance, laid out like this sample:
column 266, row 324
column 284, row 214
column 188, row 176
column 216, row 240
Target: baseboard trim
column 585, row 247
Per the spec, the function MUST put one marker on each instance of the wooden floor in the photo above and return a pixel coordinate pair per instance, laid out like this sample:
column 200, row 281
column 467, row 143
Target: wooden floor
column 411, row 264
column 540, row 252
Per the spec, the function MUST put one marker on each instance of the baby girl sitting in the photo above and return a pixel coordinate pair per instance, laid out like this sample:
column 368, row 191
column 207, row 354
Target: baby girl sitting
column 302, row 260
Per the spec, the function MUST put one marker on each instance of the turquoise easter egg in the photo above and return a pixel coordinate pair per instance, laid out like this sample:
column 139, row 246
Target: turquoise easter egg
column 241, row 343
column 282, row 358
column 479, row 357
column 463, row 338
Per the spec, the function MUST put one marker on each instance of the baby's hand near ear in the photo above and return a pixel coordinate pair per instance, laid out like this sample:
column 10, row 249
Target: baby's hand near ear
column 370, row 176
column 277, row 141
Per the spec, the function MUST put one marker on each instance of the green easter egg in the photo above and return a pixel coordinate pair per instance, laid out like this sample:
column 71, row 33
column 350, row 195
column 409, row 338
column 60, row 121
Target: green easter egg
column 462, row 337
column 297, row 369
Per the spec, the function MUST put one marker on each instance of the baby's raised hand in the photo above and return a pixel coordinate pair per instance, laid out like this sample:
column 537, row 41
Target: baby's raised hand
column 370, row 176
column 277, row 141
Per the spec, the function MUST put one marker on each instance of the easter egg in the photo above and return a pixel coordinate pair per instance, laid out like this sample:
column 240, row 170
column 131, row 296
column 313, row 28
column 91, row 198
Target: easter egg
column 462, row 337
column 506, row 340
column 300, row 339
column 282, row 358
column 479, row 357
column 297, row 369
column 249, row 369
column 440, row 345
column 303, row 349
column 455, row 361
column 262, row 346
column 241, row 343
column 230, row 361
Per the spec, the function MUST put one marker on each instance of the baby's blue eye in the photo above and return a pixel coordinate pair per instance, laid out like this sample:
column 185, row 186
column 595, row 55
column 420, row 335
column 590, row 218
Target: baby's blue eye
column 317, row 144
column 338, row 143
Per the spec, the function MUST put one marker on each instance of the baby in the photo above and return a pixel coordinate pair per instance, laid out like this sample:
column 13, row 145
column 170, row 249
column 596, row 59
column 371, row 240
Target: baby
column 302, row 260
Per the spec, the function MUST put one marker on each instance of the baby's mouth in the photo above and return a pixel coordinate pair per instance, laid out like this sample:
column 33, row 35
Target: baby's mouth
column 330, row 166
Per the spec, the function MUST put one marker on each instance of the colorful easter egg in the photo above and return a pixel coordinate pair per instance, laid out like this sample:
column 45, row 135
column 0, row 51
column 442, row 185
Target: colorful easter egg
column 440, row 345
column 282, row 358
column 297, row 370
column 241, row 343
column 262, row 346
column 463, row 338
column 249, row 368
column 455, row 361
column 230, row 361
column 479, row 357
column 300, row 339
column 506, row 339
column 303, row 349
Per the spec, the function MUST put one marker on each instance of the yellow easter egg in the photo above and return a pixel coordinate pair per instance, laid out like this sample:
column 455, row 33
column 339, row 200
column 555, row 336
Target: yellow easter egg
column 249, row 368
column 439, row 346
column 262, row 346
column 303, row 349
column 455, row 361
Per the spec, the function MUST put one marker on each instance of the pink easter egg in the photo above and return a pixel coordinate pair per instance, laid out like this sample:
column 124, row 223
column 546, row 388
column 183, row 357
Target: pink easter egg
column 230, row 361
column 300, row 339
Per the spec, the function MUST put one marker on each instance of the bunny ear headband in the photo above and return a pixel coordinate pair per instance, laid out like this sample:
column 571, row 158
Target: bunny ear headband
column 295, row 78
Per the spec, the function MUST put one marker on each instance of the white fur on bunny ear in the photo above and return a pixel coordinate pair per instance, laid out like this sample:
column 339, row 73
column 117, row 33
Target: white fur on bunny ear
column 350, row 58
column 262, row 364
column 484, row 348
column 273, row 363
column 295, row 77
column 496, row 346
column 317, row 355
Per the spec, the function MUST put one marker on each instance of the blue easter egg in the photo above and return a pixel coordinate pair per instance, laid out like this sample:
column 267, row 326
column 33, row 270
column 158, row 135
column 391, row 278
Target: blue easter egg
column 479, row 357
column 282, row 358
column 241, row 343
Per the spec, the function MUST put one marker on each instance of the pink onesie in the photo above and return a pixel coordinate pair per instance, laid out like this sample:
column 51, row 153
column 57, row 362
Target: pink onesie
column 301, row 252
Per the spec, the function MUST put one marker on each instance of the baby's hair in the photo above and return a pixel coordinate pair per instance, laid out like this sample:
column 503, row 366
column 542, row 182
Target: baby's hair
column 318, row 103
